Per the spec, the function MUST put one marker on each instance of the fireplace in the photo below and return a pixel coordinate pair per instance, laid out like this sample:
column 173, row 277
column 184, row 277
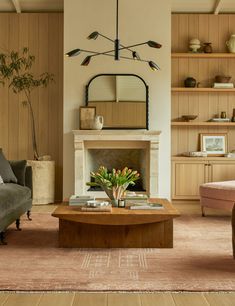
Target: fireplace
column 136, row 149
column 118, row 159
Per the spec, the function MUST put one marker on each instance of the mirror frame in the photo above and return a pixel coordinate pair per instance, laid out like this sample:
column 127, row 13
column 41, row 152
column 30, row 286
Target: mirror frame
column 122, row 74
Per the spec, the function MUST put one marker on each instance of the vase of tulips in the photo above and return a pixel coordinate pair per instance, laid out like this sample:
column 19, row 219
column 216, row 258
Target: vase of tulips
column 114, row 182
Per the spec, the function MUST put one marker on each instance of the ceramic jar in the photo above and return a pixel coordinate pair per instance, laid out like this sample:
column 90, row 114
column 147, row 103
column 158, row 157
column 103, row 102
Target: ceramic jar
column 207, row 47
column 98, row 123
column 231, row 44
column 190, row 82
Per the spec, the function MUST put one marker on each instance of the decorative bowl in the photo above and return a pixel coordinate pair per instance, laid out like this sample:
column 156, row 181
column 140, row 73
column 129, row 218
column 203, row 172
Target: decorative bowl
column 222, row 79
column 189, row 117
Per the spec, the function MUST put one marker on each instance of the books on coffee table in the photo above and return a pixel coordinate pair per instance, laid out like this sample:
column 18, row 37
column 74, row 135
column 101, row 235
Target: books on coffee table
column 107, row 208
column 76, row 200
column 147, row 206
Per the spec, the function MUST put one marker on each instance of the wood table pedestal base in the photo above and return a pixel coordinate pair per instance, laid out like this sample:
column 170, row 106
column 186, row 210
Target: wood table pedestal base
column 82, row 235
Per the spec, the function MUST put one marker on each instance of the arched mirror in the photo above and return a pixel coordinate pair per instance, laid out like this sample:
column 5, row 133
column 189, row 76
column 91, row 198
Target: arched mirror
column 122, row 99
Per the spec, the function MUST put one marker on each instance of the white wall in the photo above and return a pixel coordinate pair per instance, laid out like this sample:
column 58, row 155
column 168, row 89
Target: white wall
column 139, row 21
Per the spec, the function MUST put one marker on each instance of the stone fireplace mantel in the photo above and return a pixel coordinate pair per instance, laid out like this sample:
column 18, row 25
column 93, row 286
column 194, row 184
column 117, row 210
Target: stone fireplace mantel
column 85, row 140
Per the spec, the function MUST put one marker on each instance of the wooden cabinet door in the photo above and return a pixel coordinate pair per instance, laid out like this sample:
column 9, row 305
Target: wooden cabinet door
column 222, row 171
column 186, row 179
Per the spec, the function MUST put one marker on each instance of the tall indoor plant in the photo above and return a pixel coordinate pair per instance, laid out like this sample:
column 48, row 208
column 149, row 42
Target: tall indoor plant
column 16, row 68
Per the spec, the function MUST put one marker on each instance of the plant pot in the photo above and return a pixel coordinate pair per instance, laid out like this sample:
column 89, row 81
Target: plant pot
column 43, row 181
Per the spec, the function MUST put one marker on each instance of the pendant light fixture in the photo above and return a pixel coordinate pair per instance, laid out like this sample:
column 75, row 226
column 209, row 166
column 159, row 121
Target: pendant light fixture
column 115, row 52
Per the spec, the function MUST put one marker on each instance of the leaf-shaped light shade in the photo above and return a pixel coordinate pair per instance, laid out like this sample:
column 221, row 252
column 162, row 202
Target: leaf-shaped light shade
column 153, row 66
column 154, row 44
column 86, row 61
column 93, row 35
column 135, row 55
column 74, row 52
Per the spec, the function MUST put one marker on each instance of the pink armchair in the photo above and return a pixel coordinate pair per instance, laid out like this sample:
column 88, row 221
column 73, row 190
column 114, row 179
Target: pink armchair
column 218, row 195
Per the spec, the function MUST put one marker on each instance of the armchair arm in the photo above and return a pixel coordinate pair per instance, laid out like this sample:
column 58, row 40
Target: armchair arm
column 29, row 178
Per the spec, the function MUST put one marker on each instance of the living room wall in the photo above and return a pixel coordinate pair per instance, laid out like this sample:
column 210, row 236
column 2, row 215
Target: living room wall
column 139, row 22
column 43, row 34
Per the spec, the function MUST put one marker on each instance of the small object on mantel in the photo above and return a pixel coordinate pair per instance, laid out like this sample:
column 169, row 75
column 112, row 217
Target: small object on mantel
column 188, row 118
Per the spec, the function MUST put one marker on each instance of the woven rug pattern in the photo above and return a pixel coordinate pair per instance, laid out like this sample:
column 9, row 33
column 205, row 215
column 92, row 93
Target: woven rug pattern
column 201, row 260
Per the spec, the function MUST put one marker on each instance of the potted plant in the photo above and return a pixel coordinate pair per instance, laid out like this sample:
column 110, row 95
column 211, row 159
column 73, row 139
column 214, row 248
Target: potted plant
column 114, row 183
column 15, row 67
column 16, row 71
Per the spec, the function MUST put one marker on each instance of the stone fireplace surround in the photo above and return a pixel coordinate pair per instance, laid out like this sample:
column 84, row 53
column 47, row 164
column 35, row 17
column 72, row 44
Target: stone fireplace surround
column 85, row 141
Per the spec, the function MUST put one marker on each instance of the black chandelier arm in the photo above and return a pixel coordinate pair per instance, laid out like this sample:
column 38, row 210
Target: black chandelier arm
column 112, row 40
column 123, row 48
column 125, row 57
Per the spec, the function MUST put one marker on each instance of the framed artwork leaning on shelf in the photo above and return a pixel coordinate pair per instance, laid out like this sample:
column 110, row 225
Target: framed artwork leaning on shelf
column 87, row 116
column 215, row 144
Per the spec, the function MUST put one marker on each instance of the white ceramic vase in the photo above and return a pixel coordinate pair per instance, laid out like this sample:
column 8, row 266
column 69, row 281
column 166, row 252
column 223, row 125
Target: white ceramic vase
column 98, row 123
column 231, row 44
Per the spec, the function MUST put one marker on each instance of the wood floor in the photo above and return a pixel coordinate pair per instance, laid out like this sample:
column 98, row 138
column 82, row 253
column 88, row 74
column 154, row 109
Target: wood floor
column 117, row 299
column 122, row 299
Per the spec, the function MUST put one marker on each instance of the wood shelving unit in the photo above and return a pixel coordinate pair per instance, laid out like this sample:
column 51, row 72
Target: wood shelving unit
column 202, row 89
column 188, row 173
column 197, row 123
column 202, row 55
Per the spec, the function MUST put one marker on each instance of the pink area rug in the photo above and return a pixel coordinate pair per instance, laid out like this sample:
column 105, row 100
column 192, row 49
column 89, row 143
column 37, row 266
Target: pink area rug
column 201, row 260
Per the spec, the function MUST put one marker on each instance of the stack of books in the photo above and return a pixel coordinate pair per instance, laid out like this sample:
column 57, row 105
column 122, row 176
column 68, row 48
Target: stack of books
column 79, row 200
column 106, row 208
column 220, row 120
column 147, row 206
column 223, row 85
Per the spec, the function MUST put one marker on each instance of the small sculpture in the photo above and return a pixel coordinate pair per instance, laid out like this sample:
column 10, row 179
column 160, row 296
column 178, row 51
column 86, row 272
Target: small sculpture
column 194, row 45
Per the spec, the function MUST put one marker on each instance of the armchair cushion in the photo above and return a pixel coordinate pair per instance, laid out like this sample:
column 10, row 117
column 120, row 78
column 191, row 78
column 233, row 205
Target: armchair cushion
column 6, row 172
column 19, row 169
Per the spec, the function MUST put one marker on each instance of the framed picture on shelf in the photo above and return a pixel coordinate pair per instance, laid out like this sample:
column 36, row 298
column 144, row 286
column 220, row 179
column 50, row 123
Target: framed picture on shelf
column 87, row 116
column 215, row 144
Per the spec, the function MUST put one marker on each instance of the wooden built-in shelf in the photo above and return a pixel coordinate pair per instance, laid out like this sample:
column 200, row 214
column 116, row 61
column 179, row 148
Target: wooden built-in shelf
column 201, row 89
column 206, row 123
column 202, row 55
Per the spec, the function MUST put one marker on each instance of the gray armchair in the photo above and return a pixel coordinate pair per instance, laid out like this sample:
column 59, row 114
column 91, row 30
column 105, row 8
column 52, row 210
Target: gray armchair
column 15, row 198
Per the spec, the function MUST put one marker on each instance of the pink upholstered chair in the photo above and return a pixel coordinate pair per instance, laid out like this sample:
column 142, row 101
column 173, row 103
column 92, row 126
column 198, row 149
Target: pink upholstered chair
column 218, row 195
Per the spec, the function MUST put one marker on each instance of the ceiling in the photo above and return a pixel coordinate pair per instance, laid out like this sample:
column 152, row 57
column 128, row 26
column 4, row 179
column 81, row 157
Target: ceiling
column 202, row 6
column 199, row 6
column 32, row 5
